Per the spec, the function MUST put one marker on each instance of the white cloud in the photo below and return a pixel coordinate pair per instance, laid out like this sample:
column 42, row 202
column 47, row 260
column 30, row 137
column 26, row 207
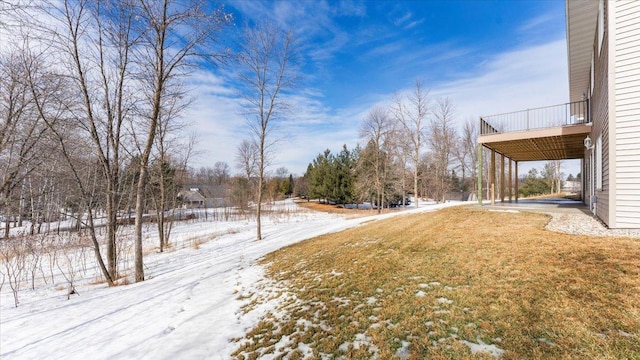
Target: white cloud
column 403, row 19
column 530, row 77
column 314, row 24
column 385, row 49
column 537, row 22
column 216, row 119
column 413, row 24
column 525, row 78
column 407, row 21
column 515, row 80
column 312, row 127
column 350, row 8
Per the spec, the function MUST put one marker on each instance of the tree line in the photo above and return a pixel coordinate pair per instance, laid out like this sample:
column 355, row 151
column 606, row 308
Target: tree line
column 412, row 147
column 547, row 181
column 91, row 97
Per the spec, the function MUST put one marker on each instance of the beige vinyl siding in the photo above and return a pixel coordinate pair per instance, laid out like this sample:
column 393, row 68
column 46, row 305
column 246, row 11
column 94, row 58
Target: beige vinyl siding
column 627, row 112
column 600, row 114
column 631, row 130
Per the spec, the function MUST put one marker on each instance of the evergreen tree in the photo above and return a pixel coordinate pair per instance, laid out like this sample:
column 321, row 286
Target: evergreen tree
column 332, row 177
column 290, row 184
column 318, row 176
column 342, row 177
column 532, row 185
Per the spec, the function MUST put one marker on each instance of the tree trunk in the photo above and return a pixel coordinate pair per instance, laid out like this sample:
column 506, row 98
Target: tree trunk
column 144, row 163
column 96, row 245
column 142, row 180
column 112, row 222
column 160, row 208
column 415, row 184
column 259, row 205
column 6, row 227
column 138, row 264
column 21, row 202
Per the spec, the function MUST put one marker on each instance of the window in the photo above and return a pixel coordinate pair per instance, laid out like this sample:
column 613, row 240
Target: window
column 598, row 172
column 600, row 24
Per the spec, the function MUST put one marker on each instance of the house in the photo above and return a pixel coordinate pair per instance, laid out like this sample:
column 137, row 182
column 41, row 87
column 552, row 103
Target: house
column 202, row 197
column 600, row 125
column 192, row 198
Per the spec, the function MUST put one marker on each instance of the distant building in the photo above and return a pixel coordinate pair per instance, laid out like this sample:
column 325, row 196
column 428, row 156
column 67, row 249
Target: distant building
column 201, row 197
column 191, row 199
column 571, row 186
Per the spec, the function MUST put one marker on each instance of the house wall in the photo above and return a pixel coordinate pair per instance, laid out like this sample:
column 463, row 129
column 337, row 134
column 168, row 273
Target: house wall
column 625, row 110
column 600, row 117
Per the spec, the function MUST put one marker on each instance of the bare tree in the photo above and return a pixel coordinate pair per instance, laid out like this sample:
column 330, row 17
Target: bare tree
column 247, row 158
column 125, row 59
column 411, row 113
column 552, row 173
column 442, row 142
column 95, row 40
column 404, row 154
column 267, row 59
column 221, row 173
column 558, row 175
column 14, row 13
column 375, row 130
column 174, row 37
column 486, row 165
column 167, row 163
column 398, row 149
column 467, row 152
column 13, row 255
column 22, row 131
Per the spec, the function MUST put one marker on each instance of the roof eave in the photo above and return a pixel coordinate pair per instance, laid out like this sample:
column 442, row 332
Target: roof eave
column 581, row 20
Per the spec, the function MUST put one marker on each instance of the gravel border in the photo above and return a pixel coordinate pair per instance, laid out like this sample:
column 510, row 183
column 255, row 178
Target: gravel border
column 583, row 224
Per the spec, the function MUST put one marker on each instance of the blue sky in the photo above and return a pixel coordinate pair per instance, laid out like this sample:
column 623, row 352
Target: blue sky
column 486, row 56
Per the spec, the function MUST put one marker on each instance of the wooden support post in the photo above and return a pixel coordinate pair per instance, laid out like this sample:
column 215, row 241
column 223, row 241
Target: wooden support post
column 510, row 180
column 493, row 177
column 502, row 178
column 583, row 182
column 517, row 180
column 479, row 173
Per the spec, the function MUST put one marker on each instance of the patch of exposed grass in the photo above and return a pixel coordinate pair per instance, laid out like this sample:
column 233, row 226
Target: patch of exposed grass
column 335, row 209
column 432, row 285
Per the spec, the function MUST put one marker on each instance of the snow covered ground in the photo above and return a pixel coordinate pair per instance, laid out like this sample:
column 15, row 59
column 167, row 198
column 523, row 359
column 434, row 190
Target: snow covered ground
column 188, row 308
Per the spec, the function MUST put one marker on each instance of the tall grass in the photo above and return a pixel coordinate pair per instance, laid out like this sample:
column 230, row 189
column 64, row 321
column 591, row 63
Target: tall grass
column 62, row 259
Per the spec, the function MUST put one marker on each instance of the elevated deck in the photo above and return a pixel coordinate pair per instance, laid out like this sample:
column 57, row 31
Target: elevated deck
column 549, row 133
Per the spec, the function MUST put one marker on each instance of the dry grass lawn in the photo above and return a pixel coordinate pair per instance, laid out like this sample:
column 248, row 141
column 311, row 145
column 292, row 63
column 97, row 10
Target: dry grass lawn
column 438, row 285
column 351, row 213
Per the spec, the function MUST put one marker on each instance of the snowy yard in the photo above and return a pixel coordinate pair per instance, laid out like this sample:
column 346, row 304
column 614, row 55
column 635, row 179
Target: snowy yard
column 190, row 307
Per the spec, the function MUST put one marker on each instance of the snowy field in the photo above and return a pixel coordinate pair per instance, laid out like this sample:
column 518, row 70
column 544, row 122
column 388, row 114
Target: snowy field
column 189, row 306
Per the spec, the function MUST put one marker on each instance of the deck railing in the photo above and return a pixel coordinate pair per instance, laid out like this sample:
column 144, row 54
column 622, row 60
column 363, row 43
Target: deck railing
column 574, row 113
